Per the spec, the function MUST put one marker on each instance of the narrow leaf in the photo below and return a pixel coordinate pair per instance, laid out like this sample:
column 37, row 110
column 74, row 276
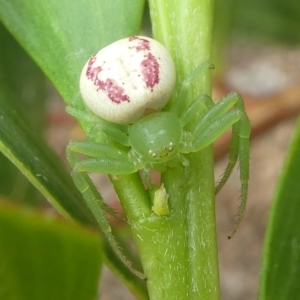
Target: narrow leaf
column 281, row 259
column 46, row 258
column 37, row 162
column 26, row 82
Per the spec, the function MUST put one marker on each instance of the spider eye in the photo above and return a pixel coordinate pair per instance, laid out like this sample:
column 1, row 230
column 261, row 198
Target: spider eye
column 171, row 146
column 152, row 153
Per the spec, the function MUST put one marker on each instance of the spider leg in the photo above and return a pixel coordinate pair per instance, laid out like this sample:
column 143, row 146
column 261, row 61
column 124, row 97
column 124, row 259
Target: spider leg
column 115, row 132
column 177, row 105
column 111, row 166
column 233, row 156
column 95, row 150
column 84, row 184
column 244, row 159
column 89, row 149
column 216, row 121
column 198, row 107
column 103, row 159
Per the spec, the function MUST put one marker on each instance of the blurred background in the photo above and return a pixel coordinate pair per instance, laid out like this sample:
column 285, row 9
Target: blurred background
column 256, row 51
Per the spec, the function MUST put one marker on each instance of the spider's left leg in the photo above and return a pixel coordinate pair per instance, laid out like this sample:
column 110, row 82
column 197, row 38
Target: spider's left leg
column 216, row 121
column 176, row 106
column 236, row 101
column 114, row 132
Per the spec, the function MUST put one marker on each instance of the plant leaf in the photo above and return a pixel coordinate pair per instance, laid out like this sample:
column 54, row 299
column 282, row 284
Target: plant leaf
column 46, row 258
column 268, row 20
column 37, row 162
column 281, row 259
column 62, row 34
column 26, row 82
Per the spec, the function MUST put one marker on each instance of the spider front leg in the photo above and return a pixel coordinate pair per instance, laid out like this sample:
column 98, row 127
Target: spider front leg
column 177, row 105
column 89, row 192
column 213, row 124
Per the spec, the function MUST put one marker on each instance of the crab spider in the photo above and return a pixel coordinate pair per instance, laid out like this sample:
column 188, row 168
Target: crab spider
column 160, row 139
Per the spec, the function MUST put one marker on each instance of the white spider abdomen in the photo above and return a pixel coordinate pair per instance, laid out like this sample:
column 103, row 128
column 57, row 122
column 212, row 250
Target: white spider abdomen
column 127, row 78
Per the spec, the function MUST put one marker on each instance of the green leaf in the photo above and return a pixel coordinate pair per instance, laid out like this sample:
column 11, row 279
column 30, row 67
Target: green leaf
column 23, row 78
column 26, row 82
column 43, row 257
column 20, row 144
column 271, row 20
column 281, row 259
column 62, row 34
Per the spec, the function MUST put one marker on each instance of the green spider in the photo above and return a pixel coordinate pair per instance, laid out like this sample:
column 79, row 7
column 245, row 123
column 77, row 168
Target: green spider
column 159, row 141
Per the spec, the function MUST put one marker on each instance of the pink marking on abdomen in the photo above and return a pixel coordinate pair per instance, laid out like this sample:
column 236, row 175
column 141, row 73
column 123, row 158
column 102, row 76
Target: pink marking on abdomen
column 114, row 92
column 91, row 72
column 142, row 45
column 150, row 70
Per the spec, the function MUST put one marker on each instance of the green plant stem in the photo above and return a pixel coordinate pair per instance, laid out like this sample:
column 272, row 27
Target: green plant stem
column 133, row 197
column 179, row 251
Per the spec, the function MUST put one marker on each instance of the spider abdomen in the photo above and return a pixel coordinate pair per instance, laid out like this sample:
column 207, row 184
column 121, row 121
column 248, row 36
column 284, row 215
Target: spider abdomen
column 156, row 137
column 127, row 78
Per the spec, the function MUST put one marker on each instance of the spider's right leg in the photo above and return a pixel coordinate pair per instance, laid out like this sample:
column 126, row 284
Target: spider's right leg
column 103, row 159
column 90, row 194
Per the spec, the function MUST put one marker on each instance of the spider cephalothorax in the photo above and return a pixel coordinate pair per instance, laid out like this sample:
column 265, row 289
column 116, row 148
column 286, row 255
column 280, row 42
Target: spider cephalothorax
column 156, row 137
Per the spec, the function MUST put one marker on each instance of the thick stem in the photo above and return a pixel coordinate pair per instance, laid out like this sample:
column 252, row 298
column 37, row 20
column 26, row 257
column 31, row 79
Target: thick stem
column 179, row 252
column 133, row 196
